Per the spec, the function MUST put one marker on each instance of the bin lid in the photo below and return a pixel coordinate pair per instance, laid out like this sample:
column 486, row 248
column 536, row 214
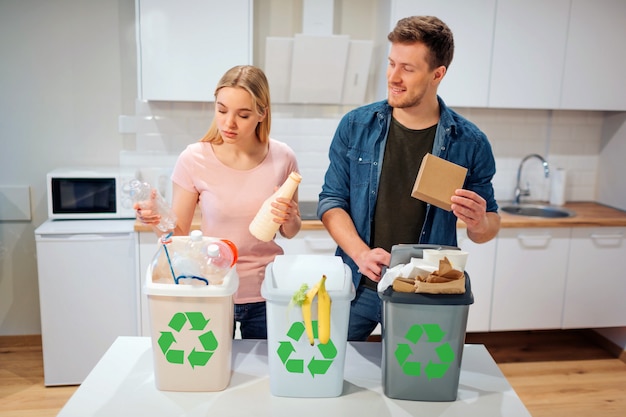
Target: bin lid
column 287, row 273
column 402, row 253
column 430, row 299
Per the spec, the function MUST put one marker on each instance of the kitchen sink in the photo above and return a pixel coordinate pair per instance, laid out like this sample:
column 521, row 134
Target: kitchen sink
column 537, row 210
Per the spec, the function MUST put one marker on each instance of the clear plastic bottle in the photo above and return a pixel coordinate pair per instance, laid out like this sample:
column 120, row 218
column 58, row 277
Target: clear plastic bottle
column 195, row 242
column 263, row 226
column 141, row 193
column 219, row 259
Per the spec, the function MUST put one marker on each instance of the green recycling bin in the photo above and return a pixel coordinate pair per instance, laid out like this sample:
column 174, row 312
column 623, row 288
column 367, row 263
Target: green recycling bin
column 423, row 339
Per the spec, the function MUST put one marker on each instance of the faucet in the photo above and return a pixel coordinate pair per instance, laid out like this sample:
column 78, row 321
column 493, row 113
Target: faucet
column 519, row 191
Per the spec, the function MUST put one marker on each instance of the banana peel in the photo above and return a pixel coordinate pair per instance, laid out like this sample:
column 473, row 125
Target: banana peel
column 323, row 312
column 307, row 305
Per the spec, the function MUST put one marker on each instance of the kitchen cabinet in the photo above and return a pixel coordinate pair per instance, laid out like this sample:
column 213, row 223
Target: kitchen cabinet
column 184, row 48
column 466, row 83
column 594, row 61
column 527, row 63
column 480, row 267
column 529, row 278
column 562, row 59
column 594, row 294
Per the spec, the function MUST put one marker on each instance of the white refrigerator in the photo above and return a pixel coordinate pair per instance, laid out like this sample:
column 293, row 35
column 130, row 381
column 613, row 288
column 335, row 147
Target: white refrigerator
column 88, row 293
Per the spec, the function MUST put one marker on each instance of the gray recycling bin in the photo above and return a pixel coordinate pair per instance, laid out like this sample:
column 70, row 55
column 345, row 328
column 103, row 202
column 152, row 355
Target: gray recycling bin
column 423, row 339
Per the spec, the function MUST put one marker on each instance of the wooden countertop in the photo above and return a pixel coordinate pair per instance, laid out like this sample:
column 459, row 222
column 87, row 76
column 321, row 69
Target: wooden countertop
column 587, row 214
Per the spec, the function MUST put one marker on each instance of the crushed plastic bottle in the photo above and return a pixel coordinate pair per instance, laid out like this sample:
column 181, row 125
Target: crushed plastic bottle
column 187, row 263
column 141, row 193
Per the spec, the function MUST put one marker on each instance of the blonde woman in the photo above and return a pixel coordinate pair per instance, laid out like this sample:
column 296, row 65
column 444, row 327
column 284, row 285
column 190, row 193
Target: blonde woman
column 229, row 173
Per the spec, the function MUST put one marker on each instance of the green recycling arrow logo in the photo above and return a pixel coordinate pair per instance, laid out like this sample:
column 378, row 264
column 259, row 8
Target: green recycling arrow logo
column 316, row 366
column 444, row 352
column 197, row 323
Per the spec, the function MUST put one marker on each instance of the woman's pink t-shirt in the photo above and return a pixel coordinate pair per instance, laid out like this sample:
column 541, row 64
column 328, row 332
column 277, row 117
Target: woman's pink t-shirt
column 229, row 200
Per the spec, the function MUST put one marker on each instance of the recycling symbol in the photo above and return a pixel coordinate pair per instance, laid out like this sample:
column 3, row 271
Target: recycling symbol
column 444, row 352
column 316, row 366
column 197, row 323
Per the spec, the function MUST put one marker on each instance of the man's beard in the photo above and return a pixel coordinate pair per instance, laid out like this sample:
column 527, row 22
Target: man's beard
column 405, row 101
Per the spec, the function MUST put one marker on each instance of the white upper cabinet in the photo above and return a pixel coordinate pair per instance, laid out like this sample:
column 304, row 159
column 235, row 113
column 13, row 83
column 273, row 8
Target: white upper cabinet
column 185, row 47
column 528, row 53
column 467, row 82
column 531, row 54
column 595, row 57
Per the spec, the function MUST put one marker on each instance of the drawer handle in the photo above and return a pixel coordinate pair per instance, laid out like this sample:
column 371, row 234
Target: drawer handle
column 607, row 236
column 608, row 240
column 535, row 240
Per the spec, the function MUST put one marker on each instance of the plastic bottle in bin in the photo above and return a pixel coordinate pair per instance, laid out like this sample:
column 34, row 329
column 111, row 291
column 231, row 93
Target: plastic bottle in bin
column 204, row 259
column 221, row 256
column 141, row 193
column 187, row 263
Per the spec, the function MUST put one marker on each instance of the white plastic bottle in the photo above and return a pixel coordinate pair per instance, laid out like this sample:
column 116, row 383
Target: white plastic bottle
column 557, row 186
column 141, row 194
column 219, row 258
column 263, row 226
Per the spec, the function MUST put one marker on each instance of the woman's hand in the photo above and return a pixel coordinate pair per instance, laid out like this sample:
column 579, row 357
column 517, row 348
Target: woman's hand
column 285, row 210
column 287, row 214
column 147, row 211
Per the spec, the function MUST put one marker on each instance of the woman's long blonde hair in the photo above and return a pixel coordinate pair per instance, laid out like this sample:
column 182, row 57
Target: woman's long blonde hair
column 253, row 80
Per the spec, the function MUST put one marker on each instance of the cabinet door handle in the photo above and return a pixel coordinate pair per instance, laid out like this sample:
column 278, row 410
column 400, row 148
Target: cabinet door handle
column 535, row 240
column 607, row 240
column 607, row 236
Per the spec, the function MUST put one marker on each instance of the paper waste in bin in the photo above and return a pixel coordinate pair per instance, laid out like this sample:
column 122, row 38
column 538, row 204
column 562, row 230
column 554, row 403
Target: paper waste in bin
column 298, row 369
column 191, row 328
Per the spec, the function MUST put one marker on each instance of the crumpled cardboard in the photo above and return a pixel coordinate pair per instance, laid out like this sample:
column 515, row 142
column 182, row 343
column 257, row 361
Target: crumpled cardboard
column 445, row 280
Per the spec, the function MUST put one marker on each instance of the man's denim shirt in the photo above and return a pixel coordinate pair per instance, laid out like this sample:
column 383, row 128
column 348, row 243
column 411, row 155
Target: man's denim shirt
column 356, row 155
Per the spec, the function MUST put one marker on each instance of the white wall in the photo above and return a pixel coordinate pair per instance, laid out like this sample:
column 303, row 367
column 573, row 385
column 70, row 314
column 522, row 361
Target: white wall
column 568, row 139
column 65, row 78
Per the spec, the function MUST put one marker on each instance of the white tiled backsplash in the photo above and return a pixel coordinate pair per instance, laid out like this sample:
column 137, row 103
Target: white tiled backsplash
column 567, row 139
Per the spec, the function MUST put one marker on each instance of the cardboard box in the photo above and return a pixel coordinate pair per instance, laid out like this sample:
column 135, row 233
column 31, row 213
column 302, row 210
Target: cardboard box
column 437, row 180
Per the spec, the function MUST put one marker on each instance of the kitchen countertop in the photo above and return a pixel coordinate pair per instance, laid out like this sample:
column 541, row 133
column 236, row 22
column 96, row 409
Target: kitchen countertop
column 588, row 214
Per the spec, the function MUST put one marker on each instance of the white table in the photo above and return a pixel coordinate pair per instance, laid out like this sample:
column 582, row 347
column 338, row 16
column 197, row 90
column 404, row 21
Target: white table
column 122, row 384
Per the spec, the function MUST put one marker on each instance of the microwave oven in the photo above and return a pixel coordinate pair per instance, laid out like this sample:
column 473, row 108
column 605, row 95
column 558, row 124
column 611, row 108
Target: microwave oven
column 90, row 193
